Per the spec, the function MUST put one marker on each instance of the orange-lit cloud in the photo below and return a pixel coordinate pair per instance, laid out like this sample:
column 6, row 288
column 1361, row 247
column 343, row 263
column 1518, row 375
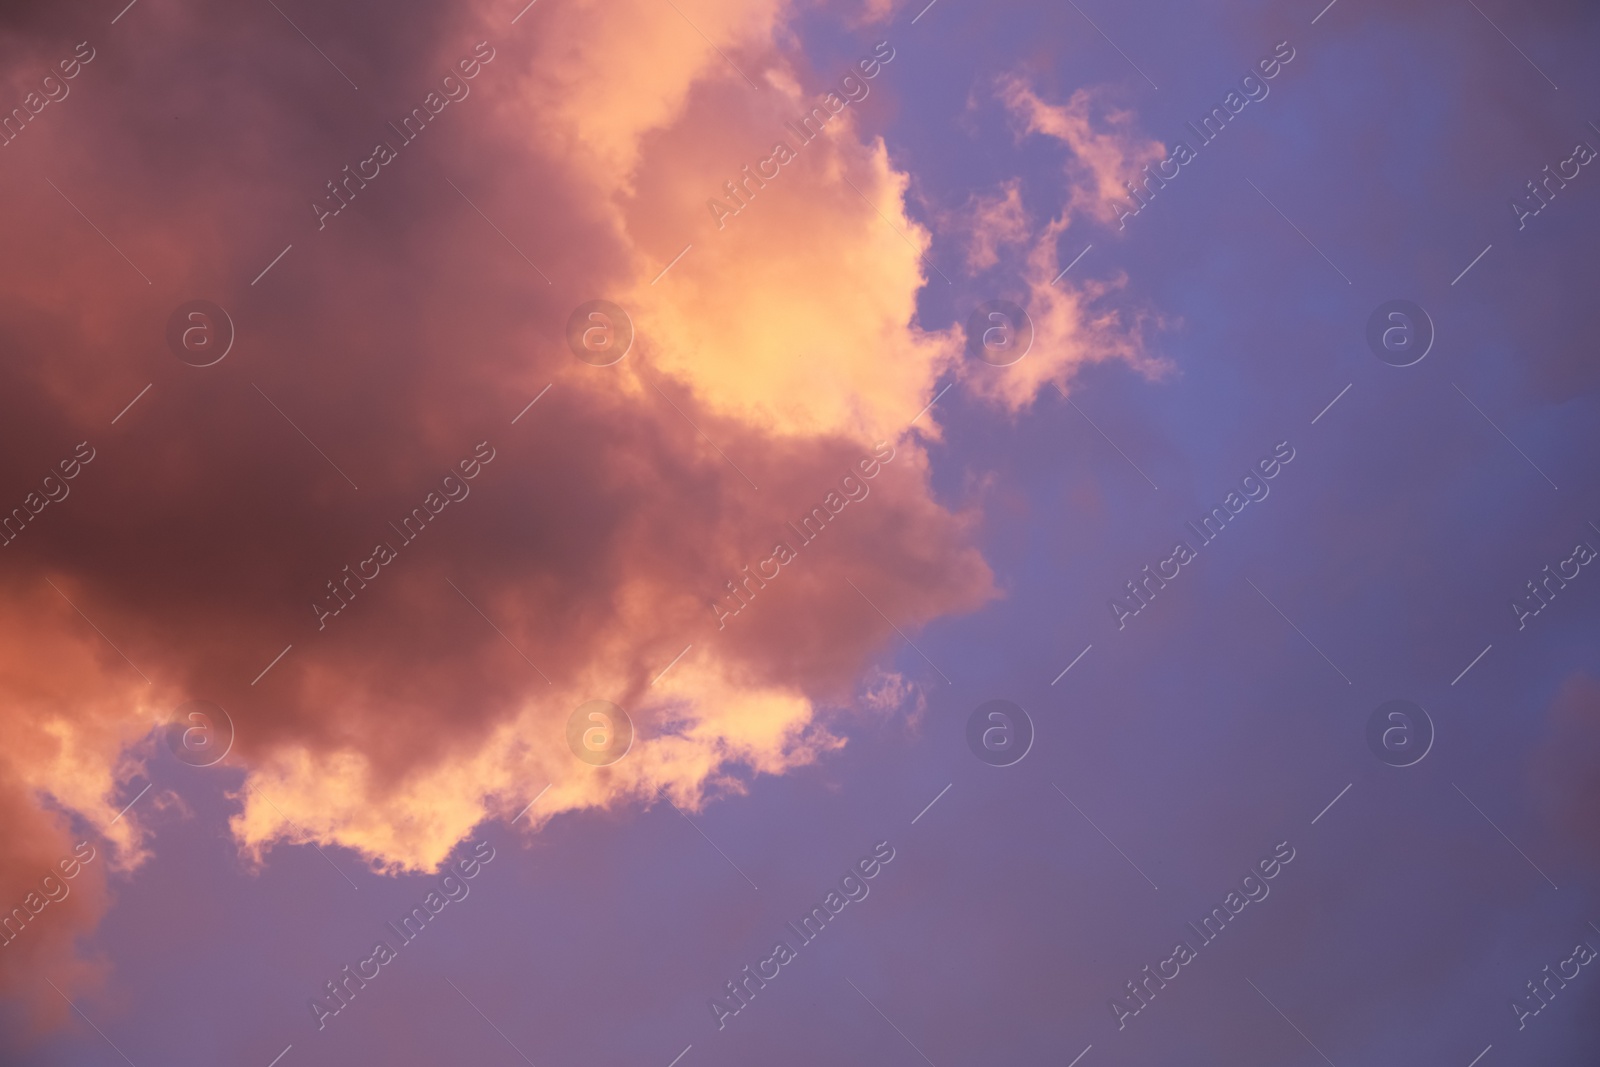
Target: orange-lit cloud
column 777, row 352
column 779, row 348
column 72, row 709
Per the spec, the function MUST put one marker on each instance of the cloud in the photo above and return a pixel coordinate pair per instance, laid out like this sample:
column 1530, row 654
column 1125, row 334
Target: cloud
column 70, row 714
column 796, row 314
column 994, row 221
column 602, row 76
column 1075, row 320
column 399, row 338
column 1104, row 147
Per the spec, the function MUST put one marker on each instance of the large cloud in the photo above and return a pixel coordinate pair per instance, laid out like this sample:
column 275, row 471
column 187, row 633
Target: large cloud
column 397, row 335
column 401, row 337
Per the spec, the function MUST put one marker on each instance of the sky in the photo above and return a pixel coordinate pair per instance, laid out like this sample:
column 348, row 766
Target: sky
column 683, row 532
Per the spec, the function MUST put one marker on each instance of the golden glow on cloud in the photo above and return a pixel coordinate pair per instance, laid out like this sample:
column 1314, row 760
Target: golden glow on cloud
column 604, row 75
column 817, row 338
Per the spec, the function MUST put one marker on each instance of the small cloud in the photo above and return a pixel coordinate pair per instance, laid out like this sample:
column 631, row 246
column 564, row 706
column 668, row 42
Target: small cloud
column 1105, row 148
column 1074, row 320
column 993, row 222
column 887, row 692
